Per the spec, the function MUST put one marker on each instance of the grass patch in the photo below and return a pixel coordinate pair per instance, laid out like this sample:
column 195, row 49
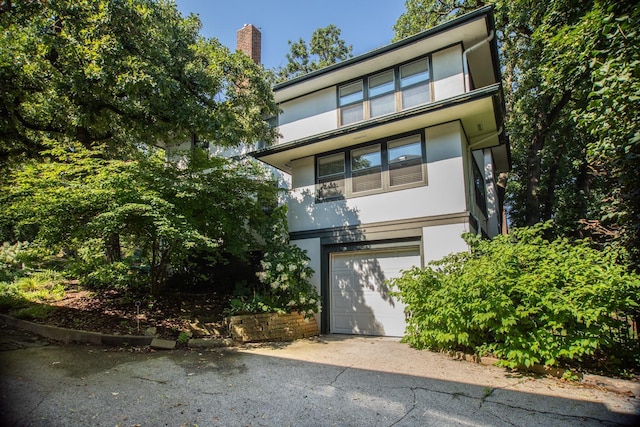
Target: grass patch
column 39, row 287
column 34, row 312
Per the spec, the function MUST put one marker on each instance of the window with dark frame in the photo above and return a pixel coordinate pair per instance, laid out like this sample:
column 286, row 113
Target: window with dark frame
column 372, row 168
column 377, row 94
column 479, row 188
column 330, row 172
column 351, row 101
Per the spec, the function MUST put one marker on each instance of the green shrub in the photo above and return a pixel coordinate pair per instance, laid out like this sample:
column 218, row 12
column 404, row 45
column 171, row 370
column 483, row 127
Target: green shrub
column 526, row 300
column 11, row 260
column 285, row 277
column 117, row 275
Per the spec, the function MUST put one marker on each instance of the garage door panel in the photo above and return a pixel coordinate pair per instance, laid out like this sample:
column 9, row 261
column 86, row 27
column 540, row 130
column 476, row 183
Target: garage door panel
column 360, row 302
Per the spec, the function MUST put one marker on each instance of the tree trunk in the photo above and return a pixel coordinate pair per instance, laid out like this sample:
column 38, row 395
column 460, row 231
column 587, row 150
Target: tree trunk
column 113, row 251
column 534, row 167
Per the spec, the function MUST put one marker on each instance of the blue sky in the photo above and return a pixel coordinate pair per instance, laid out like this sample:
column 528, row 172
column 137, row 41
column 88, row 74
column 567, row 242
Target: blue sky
column 365, row 24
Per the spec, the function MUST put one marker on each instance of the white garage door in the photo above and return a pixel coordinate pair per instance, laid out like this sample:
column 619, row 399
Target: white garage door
column 360, row 300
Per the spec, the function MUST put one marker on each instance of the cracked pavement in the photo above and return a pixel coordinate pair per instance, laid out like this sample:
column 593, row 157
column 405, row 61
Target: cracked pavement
column 330, row 381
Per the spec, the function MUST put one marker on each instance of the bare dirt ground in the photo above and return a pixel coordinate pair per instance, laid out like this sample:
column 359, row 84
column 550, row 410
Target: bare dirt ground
column 114, row 312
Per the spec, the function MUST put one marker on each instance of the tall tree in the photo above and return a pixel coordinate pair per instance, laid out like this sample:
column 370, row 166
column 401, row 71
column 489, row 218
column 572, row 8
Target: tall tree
column 118, row 74
column 557, row 60
column 326, row 48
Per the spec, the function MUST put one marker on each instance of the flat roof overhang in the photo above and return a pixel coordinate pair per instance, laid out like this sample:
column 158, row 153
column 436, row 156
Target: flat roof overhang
column 478, row 111
column 467, row 29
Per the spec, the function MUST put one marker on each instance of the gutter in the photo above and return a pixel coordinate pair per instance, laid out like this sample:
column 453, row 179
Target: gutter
column 465, row 61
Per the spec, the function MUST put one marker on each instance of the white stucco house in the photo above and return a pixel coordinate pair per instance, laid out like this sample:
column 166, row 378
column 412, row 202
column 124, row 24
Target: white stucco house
column 393, row 155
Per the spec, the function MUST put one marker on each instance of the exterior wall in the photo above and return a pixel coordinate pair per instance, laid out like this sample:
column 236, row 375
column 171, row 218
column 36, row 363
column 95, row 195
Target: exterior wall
column 309, row 115
column 448, row 76
column 443, row 194
column 314, row 252
column 318, row 112
column 442, row 240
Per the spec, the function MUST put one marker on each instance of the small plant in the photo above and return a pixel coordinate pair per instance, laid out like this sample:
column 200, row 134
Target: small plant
column 34, row 312
column 183, row 338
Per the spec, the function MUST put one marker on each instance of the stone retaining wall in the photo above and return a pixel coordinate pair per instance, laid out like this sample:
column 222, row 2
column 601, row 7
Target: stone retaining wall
column 271, row 327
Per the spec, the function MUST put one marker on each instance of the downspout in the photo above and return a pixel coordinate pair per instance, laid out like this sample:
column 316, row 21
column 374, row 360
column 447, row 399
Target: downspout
column 465, row 61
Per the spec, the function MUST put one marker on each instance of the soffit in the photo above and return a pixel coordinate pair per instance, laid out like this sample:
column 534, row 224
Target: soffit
column 468, row 32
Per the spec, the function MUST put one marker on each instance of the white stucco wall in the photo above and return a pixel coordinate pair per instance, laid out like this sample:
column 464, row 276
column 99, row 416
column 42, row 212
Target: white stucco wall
column 313, row 248
column 308, row 115
column 443, row 194
column 448, row 77
column 443, row 240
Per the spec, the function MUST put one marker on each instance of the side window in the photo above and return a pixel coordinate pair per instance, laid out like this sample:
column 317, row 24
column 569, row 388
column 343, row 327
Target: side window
column 331, row 177
column 351, row 97
column 366, row 169
column 405, row 161
column 479, row 188
column 414, row 83
column 382, row 94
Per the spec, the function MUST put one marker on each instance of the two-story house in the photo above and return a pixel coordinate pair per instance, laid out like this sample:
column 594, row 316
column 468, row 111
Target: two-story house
column 393, row 155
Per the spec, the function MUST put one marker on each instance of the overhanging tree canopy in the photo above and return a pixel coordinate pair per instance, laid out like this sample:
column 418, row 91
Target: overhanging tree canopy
column 120, row 73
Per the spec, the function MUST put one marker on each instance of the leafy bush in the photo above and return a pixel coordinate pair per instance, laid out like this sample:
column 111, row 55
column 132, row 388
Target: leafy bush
column 116, row 275
column 285, row 277
column 11, row 260
column 526, row 300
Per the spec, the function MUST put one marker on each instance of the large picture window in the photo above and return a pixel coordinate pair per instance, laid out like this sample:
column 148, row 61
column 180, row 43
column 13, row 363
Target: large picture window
column 376, row 167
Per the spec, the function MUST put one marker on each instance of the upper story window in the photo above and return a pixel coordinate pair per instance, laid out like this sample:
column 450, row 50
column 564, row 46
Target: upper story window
column 373, row 168
column 330, row 172
column 351, row 97
column 382, row 94
column 414, row 83
column 405, row 161
column 366, row 168
column 392, row 90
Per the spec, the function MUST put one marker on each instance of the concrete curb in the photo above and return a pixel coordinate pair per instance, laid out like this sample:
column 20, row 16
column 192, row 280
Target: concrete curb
column 72, row 335
column 615, row 385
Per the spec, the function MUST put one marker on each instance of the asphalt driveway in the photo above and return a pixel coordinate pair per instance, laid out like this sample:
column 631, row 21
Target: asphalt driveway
column 331, row 381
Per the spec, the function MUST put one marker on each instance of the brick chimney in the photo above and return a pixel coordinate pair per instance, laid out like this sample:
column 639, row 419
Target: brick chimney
column 249, row 41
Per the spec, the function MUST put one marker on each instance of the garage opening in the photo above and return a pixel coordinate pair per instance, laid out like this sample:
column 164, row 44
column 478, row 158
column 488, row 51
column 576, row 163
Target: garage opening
column 359, row 298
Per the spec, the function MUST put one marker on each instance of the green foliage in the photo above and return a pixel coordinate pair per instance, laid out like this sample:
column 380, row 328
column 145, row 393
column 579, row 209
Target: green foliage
column 285, row 276
column 120, row 74
column 116, row 275
column 326, row 48
column 571, row 76
column 32, row 291
column 11, row 260
column 527, row 300
column 99, row 210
